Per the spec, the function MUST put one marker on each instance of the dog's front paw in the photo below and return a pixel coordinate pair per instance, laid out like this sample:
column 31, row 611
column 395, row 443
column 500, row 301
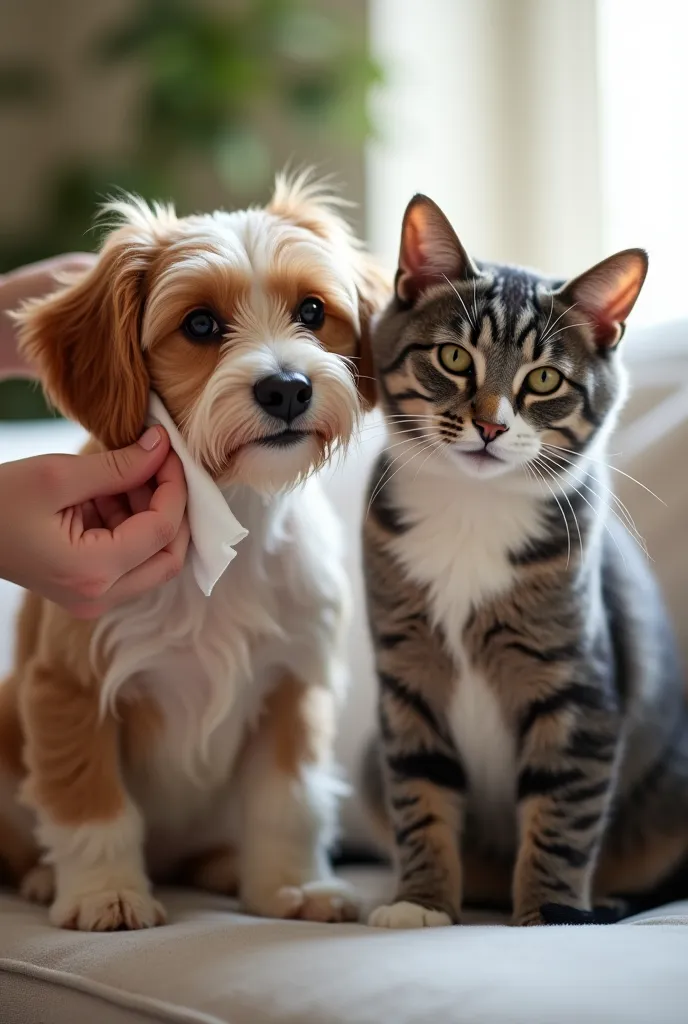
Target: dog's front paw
column 405, row 914
column 329, row 900
column 107, row 910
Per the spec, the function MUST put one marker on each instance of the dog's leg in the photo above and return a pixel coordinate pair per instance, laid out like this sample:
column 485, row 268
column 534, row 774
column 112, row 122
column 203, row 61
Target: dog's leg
column 89, row 827
column 288, row 799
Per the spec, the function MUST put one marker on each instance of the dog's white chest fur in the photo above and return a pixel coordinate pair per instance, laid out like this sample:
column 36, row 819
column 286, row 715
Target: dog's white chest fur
column 208, row 663
column 458, row 548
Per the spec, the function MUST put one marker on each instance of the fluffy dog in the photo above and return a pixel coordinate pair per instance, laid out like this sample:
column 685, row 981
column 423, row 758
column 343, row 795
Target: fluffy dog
column 179, row 736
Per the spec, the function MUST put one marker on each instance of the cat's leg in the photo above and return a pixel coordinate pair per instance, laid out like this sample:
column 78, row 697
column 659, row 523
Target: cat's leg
column 425, row 799
column 425, row 783
column 566, row 776
column 288, row 797
column 90, row 829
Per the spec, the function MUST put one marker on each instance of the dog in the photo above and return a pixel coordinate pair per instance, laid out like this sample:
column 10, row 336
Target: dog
column 179, row 737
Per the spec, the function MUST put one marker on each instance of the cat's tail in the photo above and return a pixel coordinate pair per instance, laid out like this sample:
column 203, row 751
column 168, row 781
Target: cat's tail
column 372, row 789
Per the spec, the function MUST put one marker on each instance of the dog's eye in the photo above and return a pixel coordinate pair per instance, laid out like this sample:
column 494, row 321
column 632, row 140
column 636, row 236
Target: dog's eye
column 311, row 313
column 201, row 325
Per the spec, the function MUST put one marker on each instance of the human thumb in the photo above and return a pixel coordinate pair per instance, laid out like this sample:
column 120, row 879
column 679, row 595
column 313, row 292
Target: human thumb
column 95, row 476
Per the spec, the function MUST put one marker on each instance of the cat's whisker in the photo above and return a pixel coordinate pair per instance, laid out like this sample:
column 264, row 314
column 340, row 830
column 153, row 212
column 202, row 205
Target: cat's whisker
column 384, row 429
column 400, row 428
column 596, row 512
column 386, row 479
column 405, row 417
column 583, row 323
column 436, row 445
column 601, row 462
column 404, row 440
column 629, row 519
column 632, row 532
column 538, row 470
column 460, row 298
column 551, row 310
column 547, row 336
column 629, row 525
column 475, row 302
column 573, row 511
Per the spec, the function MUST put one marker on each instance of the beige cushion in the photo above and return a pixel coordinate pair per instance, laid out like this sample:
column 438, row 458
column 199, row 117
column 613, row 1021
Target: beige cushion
column 211, row 965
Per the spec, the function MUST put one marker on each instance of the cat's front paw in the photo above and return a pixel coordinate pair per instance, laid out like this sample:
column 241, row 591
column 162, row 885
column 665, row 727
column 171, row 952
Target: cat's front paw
column 405, row 914
column 528, row 919
column 327, row 900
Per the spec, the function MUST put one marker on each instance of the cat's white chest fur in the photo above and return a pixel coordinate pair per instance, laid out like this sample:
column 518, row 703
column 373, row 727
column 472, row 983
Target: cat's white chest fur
column 458, row 547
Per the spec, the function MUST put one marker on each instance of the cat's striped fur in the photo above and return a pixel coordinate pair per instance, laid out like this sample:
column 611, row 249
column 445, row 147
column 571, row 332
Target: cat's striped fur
column 533, row 725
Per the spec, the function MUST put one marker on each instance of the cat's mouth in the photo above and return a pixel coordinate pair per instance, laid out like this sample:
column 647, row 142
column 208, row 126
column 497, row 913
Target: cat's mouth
column 481, row 463
column 481, row 457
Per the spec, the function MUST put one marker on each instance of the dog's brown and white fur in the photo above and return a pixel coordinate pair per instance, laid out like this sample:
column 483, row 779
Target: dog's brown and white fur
column 184, row 737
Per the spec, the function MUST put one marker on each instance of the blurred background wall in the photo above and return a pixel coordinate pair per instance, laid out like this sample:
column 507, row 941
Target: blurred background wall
column 551, row 131
column 198, row 101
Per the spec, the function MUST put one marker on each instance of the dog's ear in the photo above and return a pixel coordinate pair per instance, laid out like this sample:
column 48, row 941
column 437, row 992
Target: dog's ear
column 85, row 338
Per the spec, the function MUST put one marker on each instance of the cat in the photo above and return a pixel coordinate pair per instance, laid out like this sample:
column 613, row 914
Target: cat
column 533, row 729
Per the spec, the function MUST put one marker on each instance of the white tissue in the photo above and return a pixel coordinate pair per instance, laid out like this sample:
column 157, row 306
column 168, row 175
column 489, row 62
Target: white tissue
column 214, row 529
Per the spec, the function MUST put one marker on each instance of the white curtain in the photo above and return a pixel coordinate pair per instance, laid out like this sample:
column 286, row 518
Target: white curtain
column 643, row 60
column 552, row 132
column 491, row 108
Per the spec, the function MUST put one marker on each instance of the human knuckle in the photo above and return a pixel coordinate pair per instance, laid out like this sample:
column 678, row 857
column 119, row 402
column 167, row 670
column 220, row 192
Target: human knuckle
column 166, row 532
column 117, row 463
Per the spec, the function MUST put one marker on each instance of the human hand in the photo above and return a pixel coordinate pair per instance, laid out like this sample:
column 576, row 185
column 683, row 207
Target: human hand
column 30, row 282
column 91, row 531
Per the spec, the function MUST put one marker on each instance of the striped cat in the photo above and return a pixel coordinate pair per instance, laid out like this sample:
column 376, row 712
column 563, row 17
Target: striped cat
column 532, row 722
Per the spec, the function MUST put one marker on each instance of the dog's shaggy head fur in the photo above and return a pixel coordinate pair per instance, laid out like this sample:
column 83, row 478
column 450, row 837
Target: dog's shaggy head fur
column 202, row 309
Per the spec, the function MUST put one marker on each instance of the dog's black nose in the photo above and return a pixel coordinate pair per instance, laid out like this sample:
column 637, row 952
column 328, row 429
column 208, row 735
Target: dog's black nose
column 284, row 395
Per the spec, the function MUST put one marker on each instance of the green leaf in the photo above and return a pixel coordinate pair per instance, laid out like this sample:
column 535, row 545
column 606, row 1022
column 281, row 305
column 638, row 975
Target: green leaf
column 24, row 83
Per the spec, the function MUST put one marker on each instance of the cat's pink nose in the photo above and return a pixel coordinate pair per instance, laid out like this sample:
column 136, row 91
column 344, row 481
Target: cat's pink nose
column 488, row 430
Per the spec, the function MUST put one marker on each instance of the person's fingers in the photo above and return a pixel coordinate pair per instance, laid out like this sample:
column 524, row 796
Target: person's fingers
column 90, row 516
column 81, row 478
column 140, row 497
column 159, row 569
column 143, row 535
column 113, row 510
column 180, row 545
column 169, row 495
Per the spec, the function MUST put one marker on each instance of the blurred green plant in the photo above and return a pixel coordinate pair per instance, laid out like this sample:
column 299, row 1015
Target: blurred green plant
column 210, row 77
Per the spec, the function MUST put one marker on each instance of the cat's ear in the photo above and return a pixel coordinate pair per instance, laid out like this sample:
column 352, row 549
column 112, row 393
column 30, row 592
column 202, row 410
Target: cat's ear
column 430, row 251
column 606, row 294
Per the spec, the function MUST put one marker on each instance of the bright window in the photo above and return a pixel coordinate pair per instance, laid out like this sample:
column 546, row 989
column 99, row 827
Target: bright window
column 643, row 77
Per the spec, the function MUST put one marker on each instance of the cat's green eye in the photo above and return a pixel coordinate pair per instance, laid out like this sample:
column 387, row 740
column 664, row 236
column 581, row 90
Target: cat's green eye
column 544, row 380
column 455, row 359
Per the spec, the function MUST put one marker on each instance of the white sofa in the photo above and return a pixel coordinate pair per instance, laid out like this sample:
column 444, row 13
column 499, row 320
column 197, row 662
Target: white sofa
column 211, row 965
